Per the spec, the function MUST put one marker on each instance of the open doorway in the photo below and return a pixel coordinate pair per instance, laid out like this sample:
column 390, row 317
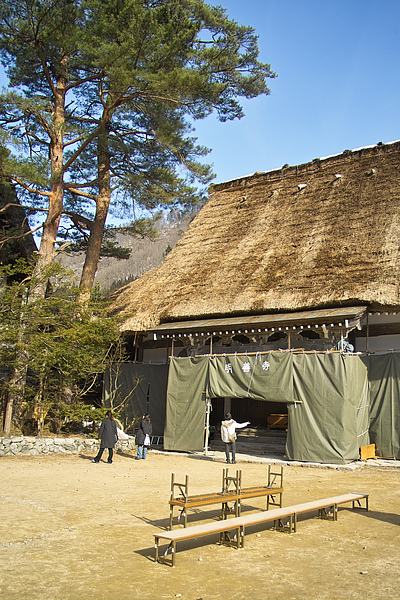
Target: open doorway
column 266, row 435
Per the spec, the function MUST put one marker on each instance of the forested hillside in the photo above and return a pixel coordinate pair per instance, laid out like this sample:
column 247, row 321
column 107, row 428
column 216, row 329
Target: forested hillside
column 145, row 254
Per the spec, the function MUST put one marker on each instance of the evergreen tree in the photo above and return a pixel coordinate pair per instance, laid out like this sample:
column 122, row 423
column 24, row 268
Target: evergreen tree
column 106, row 94
column 171, row 62
column 66, row 343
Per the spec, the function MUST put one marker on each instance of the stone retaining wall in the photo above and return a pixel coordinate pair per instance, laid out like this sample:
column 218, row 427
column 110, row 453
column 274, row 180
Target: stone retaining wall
column 24, row 445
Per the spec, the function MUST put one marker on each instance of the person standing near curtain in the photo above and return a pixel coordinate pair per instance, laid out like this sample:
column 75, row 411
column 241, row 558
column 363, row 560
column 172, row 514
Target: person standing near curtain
column 108, row 437
column 143, row 436
column 228, row 435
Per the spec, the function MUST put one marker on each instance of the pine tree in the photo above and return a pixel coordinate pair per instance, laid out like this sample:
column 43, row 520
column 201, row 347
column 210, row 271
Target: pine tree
column 66, row 343
column 106, row 95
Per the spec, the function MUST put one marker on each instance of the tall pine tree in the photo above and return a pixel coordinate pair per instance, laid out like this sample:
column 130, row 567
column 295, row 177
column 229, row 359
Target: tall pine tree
column 106, row 92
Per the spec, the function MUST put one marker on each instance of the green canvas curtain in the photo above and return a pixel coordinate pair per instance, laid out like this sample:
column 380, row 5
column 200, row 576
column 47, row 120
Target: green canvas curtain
column 384, row 378
column 327, row 396
column 264, row 376
column 261, row 376
column 186, row 404
column 329, row 422
column 133, row 383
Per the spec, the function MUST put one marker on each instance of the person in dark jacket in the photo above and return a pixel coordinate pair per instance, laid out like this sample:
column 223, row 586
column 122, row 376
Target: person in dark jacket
column 142, row 442
column 108, row 437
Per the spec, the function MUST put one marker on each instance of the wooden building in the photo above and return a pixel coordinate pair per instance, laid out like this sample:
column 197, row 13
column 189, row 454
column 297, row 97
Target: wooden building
column 305, row 258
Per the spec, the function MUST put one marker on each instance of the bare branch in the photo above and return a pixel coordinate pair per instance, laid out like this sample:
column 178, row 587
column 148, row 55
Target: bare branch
column 17, row 237
column 79, row 220
column 29, row 189
column 3, row 208
column 81, row 193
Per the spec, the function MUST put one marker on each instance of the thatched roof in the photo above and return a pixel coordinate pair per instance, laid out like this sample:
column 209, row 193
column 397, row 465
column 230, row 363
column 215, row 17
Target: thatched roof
column 325, row 233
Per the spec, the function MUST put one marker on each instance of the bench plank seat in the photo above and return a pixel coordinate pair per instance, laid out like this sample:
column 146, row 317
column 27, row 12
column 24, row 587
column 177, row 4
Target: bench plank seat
column 232, row 492
column 219, row 497
column 238, row 524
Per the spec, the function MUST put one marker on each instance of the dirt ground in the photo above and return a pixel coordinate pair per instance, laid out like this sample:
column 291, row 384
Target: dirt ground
column 74, row 530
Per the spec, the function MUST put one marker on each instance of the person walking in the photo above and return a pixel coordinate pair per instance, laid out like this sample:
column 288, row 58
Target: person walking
column 143, row 436
column 108, row 437
column 228, row 435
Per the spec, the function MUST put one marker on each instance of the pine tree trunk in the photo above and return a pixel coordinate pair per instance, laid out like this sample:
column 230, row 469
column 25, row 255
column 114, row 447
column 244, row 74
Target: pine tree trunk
column 16, row 383
column 16, row 387
column 97, row 229
column 56, row 197
column 46, row 250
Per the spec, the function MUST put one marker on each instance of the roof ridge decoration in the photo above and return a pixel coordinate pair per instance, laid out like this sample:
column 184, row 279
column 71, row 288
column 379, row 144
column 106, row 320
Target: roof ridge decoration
column 288, row 170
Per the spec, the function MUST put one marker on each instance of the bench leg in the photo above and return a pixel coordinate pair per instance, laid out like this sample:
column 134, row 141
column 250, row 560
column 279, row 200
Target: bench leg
column 226, row 510
column 290, row 527
column 292, row 523
column 172, row 547
column 182, row 514
column 272, row 502
column 225, row 538
column 242, row 532
column 329, row 512
column 157, row 541
column 173, row 553
column 357, row 504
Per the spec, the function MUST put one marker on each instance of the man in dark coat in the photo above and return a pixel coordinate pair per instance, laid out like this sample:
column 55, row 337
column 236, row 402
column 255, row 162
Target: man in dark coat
column 108, row 437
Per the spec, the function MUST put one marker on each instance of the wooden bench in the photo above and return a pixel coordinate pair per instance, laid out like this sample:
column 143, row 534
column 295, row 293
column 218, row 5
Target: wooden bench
column 327, row 508
column 232, row 492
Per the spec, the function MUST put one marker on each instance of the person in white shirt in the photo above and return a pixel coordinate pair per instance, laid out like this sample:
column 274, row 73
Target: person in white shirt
column 228, row 435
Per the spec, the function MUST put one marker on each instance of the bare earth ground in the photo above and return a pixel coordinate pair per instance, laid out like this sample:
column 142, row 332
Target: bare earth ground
column 73, row 530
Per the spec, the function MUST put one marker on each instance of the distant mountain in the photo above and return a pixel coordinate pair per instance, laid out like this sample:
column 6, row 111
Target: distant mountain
column 145, row 255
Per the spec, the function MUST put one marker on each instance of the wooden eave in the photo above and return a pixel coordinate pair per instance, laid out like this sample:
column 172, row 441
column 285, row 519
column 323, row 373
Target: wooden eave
column 346, row 318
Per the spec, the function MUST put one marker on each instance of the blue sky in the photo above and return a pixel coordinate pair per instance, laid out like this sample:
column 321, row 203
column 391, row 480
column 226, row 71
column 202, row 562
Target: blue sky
column 337, row 85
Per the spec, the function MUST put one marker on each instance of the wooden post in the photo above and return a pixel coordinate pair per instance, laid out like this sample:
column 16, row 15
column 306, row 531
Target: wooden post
column 227, row 406
column 208, row 408
column 135, row 346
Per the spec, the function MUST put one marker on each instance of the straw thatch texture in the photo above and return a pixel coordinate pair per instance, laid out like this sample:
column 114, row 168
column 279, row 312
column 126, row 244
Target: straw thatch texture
column 326, row 233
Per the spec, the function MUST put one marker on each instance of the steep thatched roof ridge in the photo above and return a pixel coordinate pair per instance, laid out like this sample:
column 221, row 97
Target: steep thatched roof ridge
column 325, row 233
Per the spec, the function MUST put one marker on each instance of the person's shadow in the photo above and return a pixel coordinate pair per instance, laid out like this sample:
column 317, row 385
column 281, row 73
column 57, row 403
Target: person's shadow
column 84, row 457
